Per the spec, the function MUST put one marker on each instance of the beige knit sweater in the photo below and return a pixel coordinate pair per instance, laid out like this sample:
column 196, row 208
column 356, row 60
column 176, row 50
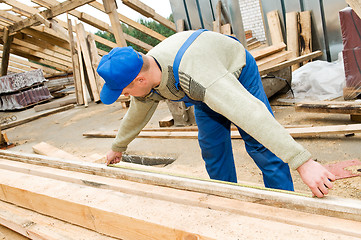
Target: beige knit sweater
column 208, row 72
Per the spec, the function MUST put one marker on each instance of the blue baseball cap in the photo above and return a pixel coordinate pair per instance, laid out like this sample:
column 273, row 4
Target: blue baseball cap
column 118, row 69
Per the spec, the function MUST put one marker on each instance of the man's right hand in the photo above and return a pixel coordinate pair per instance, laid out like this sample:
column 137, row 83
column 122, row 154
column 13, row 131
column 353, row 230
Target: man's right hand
column 113, row 157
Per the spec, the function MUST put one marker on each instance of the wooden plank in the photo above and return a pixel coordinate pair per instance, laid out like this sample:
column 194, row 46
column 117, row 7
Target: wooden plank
column 56, row 104
column 356, row 6
column 273, row 59
column 34, row 117
column 292, row 30
column 291, row 62
column 343, row 107
column 131, row 22
column 323, row 130
column 294, row 132
column 274, row 26
column 267, row 51
column 49, row 13
column 46, row 149
column 82, row 212
column 330, row 206
column 36, row 226
column 75, row 61
column 305, row 34
column 82, row 73
column 111, row 10
column 87, row 60
column 95, row 59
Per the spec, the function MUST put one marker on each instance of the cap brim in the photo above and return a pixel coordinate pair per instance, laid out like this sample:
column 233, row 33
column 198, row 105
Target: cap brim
column 109, row 96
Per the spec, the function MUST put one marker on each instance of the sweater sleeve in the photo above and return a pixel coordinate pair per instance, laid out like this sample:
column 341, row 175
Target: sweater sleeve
column 229, row 98
column 137, row 116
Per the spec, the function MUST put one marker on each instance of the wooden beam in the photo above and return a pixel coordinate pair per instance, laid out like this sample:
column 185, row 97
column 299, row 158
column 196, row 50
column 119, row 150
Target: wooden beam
column 34, row 117
column 274, row 26
column 292, row 30
column 291, row 62
column 84, row 17
column 49, row 13
column 81, row 70
column 294, row 132
column 130, row 22
column 95, row 59
column 87, row 61
column 75, row 61
column 149, row 12
column 7, row 39
column 111, row 9
column 356, row 6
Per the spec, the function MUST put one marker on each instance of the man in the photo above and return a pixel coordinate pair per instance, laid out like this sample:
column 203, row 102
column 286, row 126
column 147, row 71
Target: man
column 216, row 74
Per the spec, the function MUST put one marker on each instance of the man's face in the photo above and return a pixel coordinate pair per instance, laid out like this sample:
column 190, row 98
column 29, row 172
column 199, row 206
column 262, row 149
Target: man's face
column 137, row 88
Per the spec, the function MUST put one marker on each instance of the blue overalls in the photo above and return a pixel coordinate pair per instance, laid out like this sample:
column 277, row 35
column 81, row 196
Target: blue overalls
column 214, row 132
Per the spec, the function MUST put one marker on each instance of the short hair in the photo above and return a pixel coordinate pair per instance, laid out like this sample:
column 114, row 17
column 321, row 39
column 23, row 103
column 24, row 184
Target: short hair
column 146, row 63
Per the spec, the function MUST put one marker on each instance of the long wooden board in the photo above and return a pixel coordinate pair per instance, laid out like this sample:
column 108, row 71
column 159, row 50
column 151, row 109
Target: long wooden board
column 295, row 132
column 37, row 116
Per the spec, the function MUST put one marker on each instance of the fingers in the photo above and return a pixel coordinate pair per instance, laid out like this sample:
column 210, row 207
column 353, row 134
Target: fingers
column 322, row 188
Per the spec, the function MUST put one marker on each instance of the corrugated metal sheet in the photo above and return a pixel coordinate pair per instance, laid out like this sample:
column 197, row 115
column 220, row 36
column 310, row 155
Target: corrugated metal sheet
column 326, row 31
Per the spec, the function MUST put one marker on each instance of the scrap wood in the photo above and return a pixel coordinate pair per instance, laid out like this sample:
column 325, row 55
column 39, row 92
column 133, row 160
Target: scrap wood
column 37, row 116
column 266, row 51
column 291, row 62
column 345, row 107
column 295, row 132
column 273, row 59
column 46, row 149
column 339, row 169
column 331, row 206
column 55, row 104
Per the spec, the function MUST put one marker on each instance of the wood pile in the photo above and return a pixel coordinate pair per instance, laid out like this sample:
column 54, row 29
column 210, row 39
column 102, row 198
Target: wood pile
column 124, row 202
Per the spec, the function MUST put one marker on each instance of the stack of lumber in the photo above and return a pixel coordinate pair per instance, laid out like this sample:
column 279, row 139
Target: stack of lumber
column 20, row 90
column 299, row 40
column 49, row 43
column 41, row 197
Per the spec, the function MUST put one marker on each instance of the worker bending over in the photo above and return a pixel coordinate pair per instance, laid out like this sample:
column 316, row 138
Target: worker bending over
column 220, row 78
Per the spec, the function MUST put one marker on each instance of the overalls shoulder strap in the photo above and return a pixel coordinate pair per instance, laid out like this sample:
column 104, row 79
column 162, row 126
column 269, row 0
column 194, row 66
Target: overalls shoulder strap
column 181, row 52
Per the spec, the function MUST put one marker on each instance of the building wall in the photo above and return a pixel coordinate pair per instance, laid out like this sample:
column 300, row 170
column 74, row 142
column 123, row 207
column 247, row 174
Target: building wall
column 252, row 18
